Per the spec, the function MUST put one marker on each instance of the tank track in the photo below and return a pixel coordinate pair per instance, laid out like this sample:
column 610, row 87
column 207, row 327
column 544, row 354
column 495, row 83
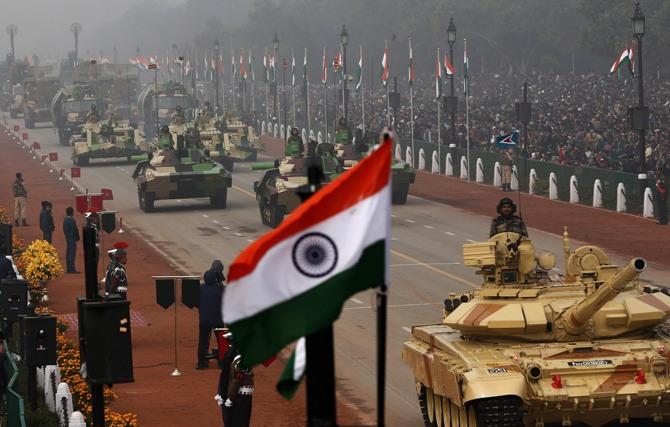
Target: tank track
column 505, row 411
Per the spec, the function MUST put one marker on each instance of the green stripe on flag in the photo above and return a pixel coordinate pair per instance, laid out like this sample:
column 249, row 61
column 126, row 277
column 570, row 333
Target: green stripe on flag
column 293, row 372
column 264, row 334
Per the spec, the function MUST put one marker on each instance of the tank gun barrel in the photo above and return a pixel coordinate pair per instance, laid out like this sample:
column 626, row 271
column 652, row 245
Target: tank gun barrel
column 574, row 320
column 261, row 166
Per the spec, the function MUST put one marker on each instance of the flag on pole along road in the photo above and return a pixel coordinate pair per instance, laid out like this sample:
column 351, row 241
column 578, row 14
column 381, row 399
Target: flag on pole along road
column 292, row 68
column 273, row 69
column 294, row 371
column 305, row 80
column 266, row 69
column 234, row 68
column 295, row 279
column 466, row 74
column 324, row 69
column 243, row 67
column 410, row 76
column 359, row 71
column 449, row 69
column 250, row 68
column 509, row 140
column 385, row 66
column 438, row 77
column 625, row 57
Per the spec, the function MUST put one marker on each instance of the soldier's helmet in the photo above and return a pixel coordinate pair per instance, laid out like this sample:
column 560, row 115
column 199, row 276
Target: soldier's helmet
column 343, row 121
column 178, row 109
column 165, row 129
column 237, row 365
column 506, row 201
column 295, row 132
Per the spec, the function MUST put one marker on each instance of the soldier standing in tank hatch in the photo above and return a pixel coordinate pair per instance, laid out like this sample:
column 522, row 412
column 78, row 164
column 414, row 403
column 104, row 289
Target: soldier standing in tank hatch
column 178, row 116
column 294, row 145
column 240, row 394
column 116, row 280
column 507, row 221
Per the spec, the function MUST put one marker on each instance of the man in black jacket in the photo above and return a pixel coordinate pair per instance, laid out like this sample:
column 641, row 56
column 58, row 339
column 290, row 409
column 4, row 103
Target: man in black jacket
column 211, row 295
column 47, row 221
column 71, row 238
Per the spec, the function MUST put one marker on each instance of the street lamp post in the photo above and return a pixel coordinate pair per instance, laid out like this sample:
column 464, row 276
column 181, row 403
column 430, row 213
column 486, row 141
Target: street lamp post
column 452, row 104
column 640, row 119
column 283, row 90
column 216, row 74
column 344, row 38
column 275, row 45
column 75, row 27
column 12, row 30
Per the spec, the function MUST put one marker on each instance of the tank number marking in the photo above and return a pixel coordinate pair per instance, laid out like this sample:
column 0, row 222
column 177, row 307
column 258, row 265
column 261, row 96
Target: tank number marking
column 590, row 363
column 497, row 370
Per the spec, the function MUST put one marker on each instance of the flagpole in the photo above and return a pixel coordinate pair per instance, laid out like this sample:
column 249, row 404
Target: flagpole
column 466, row 87
column 372, row 97
column 362, row 94
column 439, row 125
column 411, row 99
column 253, row 77
column 293, row 84
column 325, row 93
column 267, row 88
column 382, row 304
column 306, row 77
column 232, row 81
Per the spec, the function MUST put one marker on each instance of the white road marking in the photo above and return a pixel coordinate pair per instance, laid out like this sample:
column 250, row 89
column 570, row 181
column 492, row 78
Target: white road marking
column 410, row 221
column 449, row 233
column 430, row 227
column 407, row 329
column 238, row 234
column 215, row 221
column 226, row 228
column 470, row 240
column 250, row 240
column 393, row 216
column 356, row 300
column 205, row 216
column 179, row 200
column 394, row 238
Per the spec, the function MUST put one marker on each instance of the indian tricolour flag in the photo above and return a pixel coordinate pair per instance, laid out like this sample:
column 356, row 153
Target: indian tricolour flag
column 293, row 281
column 384, row 75
column 626, row 56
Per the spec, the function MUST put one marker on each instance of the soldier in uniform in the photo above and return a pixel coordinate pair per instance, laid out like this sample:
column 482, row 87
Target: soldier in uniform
column 240, row 394
column 178, row 116
column 165, row 138
column 506, row 163
column 506, row 221
column 343, row 135
column 93, row 222
column 116, row 280
column 294, row 146
column 225, row 365
column 92, row 115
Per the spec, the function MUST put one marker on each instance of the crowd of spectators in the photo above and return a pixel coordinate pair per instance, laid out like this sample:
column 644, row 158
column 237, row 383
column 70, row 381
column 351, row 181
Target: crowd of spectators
column 576, row 119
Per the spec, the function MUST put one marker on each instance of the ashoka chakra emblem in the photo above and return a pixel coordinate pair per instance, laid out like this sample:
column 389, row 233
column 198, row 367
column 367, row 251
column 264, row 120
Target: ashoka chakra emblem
column 315, row 255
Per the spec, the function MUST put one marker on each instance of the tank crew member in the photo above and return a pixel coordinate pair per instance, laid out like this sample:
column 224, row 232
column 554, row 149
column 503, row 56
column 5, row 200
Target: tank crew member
column 240, row 394
column 343, row 135
column 294, row 146
column 507, row 221
column 116, row 280
column 178, row 116
column 165, row 138
column 92, row 115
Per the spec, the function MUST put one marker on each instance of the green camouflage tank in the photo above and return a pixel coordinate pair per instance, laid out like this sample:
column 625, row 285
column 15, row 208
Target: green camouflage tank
column 181, row 174
column 240, row 141
column 106, row 140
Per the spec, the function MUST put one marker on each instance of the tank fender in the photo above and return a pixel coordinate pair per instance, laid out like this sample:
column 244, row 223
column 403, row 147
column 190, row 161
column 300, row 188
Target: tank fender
column 493, row 382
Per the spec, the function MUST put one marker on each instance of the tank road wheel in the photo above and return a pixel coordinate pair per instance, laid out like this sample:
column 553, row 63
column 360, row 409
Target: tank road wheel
column 399, row 194
column 146, row 201
column 219, row 199
column 277, row 214
column 504, row 411
column 427, row 406
column 439, row 421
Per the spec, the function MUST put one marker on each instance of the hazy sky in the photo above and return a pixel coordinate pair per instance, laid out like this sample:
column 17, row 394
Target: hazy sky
column 44, row 24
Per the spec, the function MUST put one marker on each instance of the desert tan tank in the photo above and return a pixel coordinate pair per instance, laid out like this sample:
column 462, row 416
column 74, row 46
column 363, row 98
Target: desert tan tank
column 531, row 347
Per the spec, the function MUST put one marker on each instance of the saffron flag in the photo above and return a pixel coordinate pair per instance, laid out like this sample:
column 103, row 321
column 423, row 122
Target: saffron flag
column 324, row 69
column 359, row 71
column 438, row 77
column 625, row 57
column 449, row 69
column 295, row 279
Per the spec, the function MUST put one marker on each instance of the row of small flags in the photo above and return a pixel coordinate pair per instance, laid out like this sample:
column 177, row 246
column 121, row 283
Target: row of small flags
column 244, row 67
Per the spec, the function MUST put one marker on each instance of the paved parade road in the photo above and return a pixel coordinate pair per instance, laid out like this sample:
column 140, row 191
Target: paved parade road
column 425, row 264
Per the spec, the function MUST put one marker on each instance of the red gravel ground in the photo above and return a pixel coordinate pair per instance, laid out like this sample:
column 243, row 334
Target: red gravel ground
column 156, row 397
column 623, row 233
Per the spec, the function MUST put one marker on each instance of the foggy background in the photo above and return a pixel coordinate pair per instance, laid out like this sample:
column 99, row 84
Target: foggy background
column 518, row 34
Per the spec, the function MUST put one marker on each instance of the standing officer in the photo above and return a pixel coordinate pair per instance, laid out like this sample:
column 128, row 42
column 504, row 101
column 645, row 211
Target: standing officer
column 47, row 221
column 506, row 221
column 20, row 200
column 240, row 394
column 506, row 164
column 93, row 222
column 294, row 145
column 116, row 280
column 71, row 233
